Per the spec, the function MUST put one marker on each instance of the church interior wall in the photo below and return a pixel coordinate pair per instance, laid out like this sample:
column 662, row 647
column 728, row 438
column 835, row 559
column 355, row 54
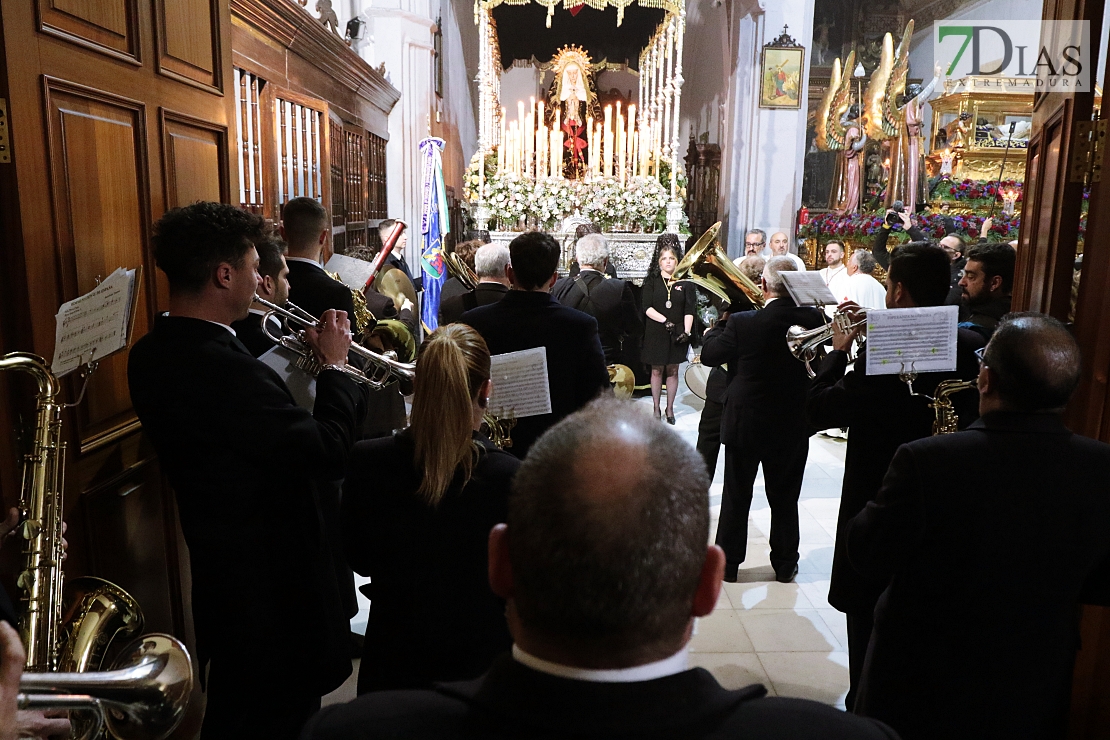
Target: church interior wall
column 706, row 67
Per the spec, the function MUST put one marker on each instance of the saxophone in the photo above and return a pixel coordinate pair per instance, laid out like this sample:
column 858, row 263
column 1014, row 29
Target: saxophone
column 947, row 422
column 65, row 640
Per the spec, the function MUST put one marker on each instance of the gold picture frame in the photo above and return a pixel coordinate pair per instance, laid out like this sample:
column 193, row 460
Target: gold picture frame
column 780, row 73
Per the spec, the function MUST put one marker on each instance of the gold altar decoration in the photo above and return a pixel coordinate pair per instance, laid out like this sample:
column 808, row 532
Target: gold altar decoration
column 971, row 126
column 671, row 6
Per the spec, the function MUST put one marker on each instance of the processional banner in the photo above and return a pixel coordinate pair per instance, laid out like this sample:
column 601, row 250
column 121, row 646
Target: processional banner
column 435, row 223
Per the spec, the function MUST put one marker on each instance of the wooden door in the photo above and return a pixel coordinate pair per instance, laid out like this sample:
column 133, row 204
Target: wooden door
column 1065, row 157
column 118, row 111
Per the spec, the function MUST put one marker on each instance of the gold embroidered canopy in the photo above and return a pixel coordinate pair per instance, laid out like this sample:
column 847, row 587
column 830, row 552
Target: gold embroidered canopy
column 671, row 6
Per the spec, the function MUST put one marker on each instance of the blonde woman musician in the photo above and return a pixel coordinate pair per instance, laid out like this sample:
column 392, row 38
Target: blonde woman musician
column 417, row 510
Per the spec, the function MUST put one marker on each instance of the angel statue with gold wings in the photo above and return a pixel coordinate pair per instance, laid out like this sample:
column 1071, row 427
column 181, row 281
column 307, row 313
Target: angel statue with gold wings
column 839, row 129
column 893, row 109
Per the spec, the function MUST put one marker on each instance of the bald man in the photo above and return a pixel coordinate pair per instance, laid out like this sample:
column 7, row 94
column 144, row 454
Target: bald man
column 990, row 538
column 600, row 634
column 779, row 246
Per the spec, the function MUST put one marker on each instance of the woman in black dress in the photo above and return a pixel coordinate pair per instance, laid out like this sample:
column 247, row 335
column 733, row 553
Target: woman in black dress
column 669, row 305
column 417, row 511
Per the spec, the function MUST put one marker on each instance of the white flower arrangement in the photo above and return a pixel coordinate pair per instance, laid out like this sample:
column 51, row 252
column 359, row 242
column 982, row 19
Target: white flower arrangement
column 641, row 204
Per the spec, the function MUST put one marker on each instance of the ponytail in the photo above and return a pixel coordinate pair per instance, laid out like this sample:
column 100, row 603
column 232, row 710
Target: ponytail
column 454, row 363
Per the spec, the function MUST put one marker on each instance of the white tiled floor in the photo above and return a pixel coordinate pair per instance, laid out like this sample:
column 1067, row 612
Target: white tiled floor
column 785, row 636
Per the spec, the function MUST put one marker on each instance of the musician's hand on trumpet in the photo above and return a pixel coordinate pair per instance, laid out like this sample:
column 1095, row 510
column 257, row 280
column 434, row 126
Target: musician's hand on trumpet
column 331, row 338
column 846, row 331
column 15, row 723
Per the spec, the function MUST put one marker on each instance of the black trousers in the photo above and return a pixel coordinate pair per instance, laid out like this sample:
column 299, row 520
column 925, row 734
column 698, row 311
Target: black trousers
column 784, row 463
column 709, row 434
column 860, row 625
column 251, row 705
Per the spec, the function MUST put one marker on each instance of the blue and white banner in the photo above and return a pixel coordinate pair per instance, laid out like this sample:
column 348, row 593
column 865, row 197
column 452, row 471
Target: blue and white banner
column 435, row 223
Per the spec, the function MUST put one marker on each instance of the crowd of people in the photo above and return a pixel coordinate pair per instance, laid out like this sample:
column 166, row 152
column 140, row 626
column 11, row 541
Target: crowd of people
column 550, row 589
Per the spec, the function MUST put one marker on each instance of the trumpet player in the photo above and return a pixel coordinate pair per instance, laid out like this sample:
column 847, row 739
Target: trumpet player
column 764, row 420
column 880, row 414
column 243, row 459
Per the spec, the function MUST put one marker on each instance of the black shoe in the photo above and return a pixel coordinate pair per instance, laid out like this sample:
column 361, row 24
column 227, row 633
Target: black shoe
column 731, row 572
column 670, row 420
column 786, row 577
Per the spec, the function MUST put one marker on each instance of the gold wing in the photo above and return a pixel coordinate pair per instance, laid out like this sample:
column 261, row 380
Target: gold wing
column 841, row 101
column 823, row 118
column 896, row 85
column 876, row 91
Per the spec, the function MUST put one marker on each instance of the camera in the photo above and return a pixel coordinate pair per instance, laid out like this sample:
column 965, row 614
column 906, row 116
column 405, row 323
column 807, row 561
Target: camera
column 893, row 220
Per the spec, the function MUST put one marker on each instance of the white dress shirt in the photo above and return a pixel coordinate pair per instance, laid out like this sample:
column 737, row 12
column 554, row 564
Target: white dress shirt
column 866, row 291
column 676, row 663
column 837, row 279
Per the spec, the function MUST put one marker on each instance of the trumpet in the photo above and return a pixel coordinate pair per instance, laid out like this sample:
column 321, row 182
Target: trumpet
column 804, row 343
column 143, row 697
column 381, row 368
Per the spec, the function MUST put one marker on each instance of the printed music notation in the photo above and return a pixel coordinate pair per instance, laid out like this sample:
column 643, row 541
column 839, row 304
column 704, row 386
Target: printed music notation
column 920, row 340
column 95, row 325
column 520, row 383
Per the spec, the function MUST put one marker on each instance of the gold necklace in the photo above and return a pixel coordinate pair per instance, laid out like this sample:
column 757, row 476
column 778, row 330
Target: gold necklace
column 668, row 284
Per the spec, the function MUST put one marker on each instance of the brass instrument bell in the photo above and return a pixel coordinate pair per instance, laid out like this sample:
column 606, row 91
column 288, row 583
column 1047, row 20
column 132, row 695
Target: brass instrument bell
column 707, row 266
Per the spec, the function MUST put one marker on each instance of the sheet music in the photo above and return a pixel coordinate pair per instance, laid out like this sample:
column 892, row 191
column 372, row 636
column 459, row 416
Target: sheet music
column 95, row 325
column 918, row 339
column 807, row 288
column 354, row 273
column 520, row 383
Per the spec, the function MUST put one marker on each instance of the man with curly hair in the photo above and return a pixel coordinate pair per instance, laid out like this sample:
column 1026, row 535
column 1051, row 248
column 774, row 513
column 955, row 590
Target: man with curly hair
column 243, row 459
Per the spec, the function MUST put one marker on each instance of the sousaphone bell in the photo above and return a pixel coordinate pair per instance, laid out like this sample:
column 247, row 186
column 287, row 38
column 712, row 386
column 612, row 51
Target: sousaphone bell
column 707, row 266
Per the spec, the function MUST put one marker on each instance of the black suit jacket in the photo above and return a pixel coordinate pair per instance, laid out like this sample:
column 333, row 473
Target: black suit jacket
column 433, row 616
column 575, row 362
column 514, row 701
column 990, row 537
column 452, row 309
column 241, row 457
column 249, row 332
column 880, row 415
column 452, row 288
column 610, row 301
column 767, row 390
column 315, row 291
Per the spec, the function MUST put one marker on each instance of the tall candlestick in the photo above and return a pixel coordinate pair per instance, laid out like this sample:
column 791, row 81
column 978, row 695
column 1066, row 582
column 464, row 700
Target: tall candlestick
column 529, row 138
column 501, row 146
column 591, row 145
column 619, row 149
column 608, row 141
column 631, row 141
column 557, row 145
column 541, row 140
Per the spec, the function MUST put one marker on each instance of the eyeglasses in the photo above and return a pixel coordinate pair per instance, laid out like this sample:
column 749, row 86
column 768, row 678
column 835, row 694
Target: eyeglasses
column 979, row 353
column 753, row 244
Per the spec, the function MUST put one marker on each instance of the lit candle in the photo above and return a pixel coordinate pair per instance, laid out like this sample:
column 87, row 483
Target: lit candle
column 599, row 136
column 557, row 145
column 619, row 150
column 529, row 137
column 541, row 140
column 608, row 141
column 481, row 173
column 501, row 146
column 630, row 138
column 591, row 149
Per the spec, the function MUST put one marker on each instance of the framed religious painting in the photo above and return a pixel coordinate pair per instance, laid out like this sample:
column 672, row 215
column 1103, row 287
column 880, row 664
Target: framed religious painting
column 780, row 73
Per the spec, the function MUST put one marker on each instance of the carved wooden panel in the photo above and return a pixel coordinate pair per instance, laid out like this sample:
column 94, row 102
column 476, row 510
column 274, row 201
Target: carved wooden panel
column 101, row 214
column 194, row 160
column 189, row 41
column 106, row 26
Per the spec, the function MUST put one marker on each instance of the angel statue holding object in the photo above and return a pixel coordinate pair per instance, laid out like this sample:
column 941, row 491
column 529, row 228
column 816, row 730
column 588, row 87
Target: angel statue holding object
column 894, row 110
column 839, row 129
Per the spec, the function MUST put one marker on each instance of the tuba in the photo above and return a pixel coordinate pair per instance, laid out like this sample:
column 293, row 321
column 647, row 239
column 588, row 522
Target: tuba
column 461, row 271
column 707, row 266
column 68, row 637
